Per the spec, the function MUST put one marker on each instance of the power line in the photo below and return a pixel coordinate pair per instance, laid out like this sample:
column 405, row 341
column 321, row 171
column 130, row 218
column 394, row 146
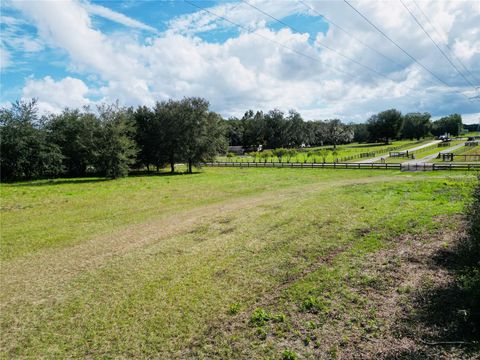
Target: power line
column 434, row 42
column 284, row 46
column 350, row 34
column 445, row 41
column 274, row 41
column 402, row 49
column 321, row 44
column 250, row 31
column 342, row 55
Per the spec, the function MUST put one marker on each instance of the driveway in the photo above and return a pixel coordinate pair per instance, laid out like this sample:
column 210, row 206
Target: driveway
column 433, row 156
column 378, row 158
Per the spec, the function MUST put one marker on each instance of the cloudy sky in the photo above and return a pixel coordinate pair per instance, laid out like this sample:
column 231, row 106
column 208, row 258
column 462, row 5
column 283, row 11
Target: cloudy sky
column 320, row 58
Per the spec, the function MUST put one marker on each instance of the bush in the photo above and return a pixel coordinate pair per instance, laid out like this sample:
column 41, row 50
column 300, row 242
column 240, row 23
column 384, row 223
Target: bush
column 312, row 304
column 280, row 153
column 259, row 317
column 266, row 154
column 289, row 355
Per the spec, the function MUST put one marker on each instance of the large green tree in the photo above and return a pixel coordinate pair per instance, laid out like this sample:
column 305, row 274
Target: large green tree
column 253, row 124
column 451, row 124
column 74, row 132
column 169, row 116
column 234, row 131
column 276, row 129
column 318, row 132
column 296, row 130
column 385, row 125
column 337, row 133
column 416, row 126
column 150, row 136
column 116, row 147
column 25, row 151
column 201, row 133
column 360, row 133
column 179, row 131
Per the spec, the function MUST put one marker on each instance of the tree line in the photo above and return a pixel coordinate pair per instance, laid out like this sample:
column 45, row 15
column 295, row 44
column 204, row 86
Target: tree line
column 111, row 140
column 276, row 129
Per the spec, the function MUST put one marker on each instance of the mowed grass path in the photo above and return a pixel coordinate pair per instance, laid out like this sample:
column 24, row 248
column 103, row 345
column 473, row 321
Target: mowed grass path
column 55, row 213
column 146, row 266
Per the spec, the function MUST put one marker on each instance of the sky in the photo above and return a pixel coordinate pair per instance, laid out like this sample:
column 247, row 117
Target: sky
column 320, row 58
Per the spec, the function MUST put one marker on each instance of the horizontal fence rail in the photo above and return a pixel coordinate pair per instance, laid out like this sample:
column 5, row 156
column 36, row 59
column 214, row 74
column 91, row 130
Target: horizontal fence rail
column 381, row 151
column 467, row 157
column 379, row 166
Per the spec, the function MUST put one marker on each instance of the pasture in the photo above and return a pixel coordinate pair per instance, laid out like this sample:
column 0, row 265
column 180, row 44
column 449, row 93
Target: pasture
column 226, row 263
column 343, row 153
column 422, row 153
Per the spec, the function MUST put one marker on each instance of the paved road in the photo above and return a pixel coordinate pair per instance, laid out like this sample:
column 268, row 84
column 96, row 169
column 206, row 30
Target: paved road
column 433, row 156
column 378, row 158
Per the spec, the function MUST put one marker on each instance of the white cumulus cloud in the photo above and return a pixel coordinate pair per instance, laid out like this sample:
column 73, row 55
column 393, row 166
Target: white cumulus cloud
column 251, row 70
column 54, row 96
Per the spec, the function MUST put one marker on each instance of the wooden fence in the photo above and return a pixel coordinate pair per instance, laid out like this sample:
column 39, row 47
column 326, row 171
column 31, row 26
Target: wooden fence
column 379, row 166
column 466, row 157
column 379, row 152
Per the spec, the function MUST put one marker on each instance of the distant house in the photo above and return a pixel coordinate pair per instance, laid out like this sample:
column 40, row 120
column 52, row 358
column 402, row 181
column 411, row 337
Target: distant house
column 236, row 149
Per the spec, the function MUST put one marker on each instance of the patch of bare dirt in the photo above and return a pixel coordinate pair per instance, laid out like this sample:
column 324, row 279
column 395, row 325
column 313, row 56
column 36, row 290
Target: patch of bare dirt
column 412, row 279
column 412, row 308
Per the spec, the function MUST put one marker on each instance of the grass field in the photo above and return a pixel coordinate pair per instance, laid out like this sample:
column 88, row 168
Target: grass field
column 464, row 150
column 422, row 153
column 225, row 263
column 343, row 152
column 473, row 133
column 468, row 150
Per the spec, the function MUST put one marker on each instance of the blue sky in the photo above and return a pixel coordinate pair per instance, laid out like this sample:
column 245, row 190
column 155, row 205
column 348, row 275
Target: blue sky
column 71, row 53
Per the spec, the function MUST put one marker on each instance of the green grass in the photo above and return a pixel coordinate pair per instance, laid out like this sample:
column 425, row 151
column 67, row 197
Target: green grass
column 147, row 266
column 421, row 153
column 464, row 150
column 55, row 213
column 473, row 133
column 343, row 151
column 474, row 150
column 468, row 150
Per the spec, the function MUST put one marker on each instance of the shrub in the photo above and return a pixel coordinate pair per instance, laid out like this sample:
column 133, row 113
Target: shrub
column 290, row 153
column 313, row 304
column 324, row 154
column 289, row 355
column 266, row 154
column 259, row 317
column 280, row 153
